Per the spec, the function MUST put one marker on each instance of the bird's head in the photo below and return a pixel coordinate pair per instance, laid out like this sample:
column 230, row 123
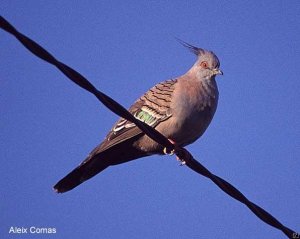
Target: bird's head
column 207, row 64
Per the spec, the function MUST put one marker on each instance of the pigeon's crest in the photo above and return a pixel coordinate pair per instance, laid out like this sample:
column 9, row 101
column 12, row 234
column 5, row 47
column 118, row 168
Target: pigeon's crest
column 196, row 50
column 200, row 52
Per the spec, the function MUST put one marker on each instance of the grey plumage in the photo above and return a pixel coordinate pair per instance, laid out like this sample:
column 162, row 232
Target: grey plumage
column 181, row 109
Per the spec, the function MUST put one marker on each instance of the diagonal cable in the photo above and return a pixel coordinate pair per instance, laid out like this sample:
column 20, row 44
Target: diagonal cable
column 118, row 109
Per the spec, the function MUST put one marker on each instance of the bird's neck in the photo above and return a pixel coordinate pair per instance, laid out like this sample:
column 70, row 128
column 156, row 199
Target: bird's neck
column 206, row 85
column 209, row 86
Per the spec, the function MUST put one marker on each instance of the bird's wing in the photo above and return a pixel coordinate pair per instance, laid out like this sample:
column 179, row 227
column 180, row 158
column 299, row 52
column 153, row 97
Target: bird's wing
column 152, row 108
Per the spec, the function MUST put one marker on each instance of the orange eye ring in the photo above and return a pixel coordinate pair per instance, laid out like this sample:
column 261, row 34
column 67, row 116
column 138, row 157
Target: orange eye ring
column 204, row 64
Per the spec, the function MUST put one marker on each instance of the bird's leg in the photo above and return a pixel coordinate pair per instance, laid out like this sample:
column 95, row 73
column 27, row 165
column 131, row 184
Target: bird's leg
column 181, row 153
column 165, row 150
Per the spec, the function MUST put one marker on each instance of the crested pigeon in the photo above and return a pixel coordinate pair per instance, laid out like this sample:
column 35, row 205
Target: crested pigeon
column 181, row 109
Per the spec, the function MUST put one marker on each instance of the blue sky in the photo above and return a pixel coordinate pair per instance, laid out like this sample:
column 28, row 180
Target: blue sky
column 48, row 124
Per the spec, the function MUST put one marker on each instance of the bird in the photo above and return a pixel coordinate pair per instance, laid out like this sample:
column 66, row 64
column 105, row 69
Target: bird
column 180, row 108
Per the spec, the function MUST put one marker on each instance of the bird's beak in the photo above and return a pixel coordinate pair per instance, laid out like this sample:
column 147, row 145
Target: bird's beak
column 217, row 71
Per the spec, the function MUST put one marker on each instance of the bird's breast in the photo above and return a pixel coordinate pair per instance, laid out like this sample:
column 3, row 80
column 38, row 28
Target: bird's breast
column 193, row 112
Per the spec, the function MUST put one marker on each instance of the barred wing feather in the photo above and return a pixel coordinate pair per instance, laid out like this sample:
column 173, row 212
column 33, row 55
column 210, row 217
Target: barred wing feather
column 152, row 108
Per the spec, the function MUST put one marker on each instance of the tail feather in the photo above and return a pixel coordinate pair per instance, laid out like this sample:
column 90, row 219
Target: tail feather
column 80, row 174
column 97, row 162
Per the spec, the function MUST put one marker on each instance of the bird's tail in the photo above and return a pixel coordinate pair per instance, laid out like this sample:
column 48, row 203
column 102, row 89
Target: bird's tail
column 87, row 169
column 96, row 162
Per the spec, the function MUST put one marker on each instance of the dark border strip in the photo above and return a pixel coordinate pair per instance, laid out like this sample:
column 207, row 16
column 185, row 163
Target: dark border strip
column 118, row 109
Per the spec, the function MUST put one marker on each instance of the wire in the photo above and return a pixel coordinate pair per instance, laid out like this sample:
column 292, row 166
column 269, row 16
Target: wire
column 118, row 109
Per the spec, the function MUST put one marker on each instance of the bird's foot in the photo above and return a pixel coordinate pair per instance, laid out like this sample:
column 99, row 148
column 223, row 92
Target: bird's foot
column 169, row 152
column 181, row 161
column 181, row 153
column 172, row 152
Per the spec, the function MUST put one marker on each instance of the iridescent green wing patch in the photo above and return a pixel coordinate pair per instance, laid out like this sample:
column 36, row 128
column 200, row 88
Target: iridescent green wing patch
column 146, row 116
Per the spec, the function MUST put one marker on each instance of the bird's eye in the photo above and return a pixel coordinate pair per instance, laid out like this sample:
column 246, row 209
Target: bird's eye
column 204, row 64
